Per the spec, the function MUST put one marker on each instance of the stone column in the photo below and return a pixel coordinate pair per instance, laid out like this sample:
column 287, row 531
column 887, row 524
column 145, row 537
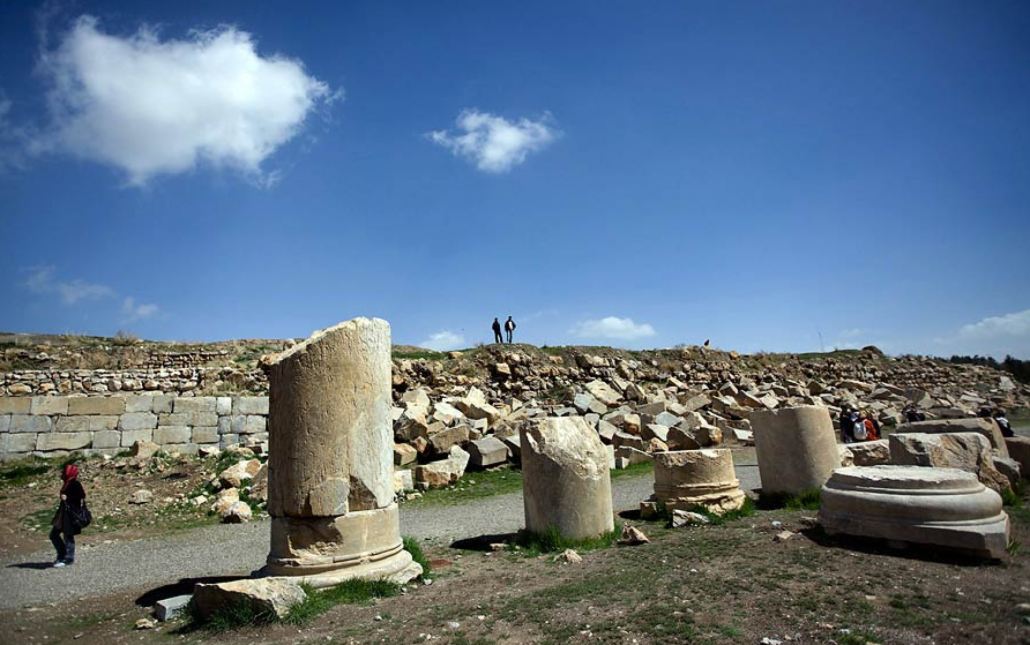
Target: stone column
column 688, row 478
column 566, row 481
column 797, row 448
column 330, row 466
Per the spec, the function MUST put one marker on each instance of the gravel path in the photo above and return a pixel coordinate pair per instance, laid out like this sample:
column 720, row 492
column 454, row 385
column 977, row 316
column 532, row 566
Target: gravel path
column 226, row 550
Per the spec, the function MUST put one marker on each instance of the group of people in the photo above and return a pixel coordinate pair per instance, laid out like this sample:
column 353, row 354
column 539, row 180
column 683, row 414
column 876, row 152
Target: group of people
column 509, row 329
column 998, row 415
column 858, row 425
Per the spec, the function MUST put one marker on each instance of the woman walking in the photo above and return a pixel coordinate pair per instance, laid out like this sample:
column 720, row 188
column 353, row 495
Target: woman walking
column 62, row 535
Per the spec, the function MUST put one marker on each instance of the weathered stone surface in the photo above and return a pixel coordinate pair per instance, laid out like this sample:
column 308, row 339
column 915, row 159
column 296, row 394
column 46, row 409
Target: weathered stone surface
column 171, row 434
column 688, row 478
column 445, row 472
column 49, row 405
column 29, row 423
column 15, row 405
column 566, row 480
column 141, row 497
column 264, row 595
column 18, row 443
column 797, row 448
column 5, row 423
column 96, row 405
column 171, row 608
column 144, row 449
column 204, row 434
column 870, row 453
column 106, row 439
column 682, row 438
column 248, row 405
column 403, row 454
column 966, row 451
column 330, row 465
column 195, row 404
column 486, row 452
column 237, row 513
column 131, row 437
column 139, row 403
column 63, row 441
column 138, row 421
column 403, row 480
column 603, row 393
column 234, row 476
column 941, row 507
column 440, row 442
column 986, row 427
column 1008, row 467
column 1019, row 449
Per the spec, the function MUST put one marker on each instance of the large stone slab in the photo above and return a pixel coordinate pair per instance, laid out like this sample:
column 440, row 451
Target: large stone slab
column 870, row 453
column 566, row 479
column 269, row 596
column 63, row 441
column 1019, row 449
column 796, row 447
column 96, row 405
column 966, row 451
column 444, row 472
column 49, row 405
column 486, row 452
column 941, row 507
column 15, row 405
column 986, row 427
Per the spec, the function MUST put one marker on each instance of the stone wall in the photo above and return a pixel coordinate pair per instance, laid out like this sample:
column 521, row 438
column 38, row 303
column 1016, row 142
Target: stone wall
column 153, row 381
column 55, row 425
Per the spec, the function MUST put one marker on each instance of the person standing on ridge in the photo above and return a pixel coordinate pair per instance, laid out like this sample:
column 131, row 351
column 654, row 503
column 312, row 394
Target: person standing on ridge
column 509, row 327
column 497, row 331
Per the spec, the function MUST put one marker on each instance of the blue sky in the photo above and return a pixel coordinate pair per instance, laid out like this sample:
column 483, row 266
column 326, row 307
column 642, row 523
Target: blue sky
column 608, row 173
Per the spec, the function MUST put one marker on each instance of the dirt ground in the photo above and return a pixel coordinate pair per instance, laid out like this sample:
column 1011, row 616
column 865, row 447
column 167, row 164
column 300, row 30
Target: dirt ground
column 711, row 585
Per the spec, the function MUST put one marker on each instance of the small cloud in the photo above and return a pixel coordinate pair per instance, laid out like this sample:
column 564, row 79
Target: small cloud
column 131, row 312
column 151, row 106
column 612, row 327
column 1009, row 325
column 443, row 341
column 992, row 336
column 493, row 143
column 41, row 280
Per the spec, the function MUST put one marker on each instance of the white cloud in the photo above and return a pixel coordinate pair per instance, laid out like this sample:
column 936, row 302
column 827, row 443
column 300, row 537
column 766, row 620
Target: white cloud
column 41, row 280
column 149, row 106
column 993, row 336
column 131, row 312
column 615, row 328
column 443, row 340
column 493, row 143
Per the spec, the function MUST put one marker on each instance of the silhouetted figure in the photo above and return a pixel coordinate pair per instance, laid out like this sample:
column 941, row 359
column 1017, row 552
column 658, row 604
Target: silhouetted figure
column 708, row 342
column 497, row 331
column 509, row 327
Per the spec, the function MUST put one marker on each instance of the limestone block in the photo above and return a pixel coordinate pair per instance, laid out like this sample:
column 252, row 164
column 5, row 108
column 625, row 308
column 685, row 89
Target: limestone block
column 330, row 402
column 5, row 423
column 234, row 476
column 682, row 438
column 63, row 441
column 72, row 424
column 251, row 405
column 204, row 434
column 440, row 442
column 223, row 406
column 196, row 404
column 264, row 595
column 20, row 442
column 445, row 472
column 603, row 393
column 796, row 447
column 403, row 481
column 403, row 454
column 1019, row 449
column 96, row 405
column 250, row 424
column 226, row 440
column 625, row 456
column 100, row 422
column 940, row 507
column 172, row 434
column 416, row 399
column 1008, row 467
column 986, row 427
column 968, row 451
column 15, row 405
column 655, row 431
column 870, row 453
column 29, row 423
column 224, row 425
column 621, row 439
column 107, row 439
column 162, row 403
column 411, row 424
column 130, row 437
column 49, row 405
column 846, row 456
column 139, row 403
column 137, row 421
column 688, row 478
column 566, row 480
column 486, row 452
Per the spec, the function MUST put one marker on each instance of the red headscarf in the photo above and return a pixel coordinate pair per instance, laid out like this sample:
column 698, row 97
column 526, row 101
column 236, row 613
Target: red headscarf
column 71, row 471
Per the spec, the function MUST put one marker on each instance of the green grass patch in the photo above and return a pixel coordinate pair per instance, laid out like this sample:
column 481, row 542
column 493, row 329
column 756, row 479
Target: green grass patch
column 427, row 355
column 552, row 541
column 807, row 501
column 473, row 486
column 412, row 546
column 747, row 509
column 631, row 472
column 41, row 519
column 856, row 637
column 19, row 472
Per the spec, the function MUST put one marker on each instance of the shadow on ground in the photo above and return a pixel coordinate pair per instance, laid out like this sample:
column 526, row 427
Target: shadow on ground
column 181, row 588
column 483, row 542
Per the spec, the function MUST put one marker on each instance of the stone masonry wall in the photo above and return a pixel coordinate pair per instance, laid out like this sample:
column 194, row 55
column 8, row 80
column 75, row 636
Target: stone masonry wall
column 56, row 425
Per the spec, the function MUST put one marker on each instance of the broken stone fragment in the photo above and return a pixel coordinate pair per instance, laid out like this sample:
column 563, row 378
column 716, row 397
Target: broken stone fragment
column 264, row 596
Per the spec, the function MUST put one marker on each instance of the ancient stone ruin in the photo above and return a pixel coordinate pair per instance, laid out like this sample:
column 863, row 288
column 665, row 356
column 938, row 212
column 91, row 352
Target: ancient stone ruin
column 943, row 507
column 684, row 479
column 796, row 447
column 330, row 478
column 566, row 481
